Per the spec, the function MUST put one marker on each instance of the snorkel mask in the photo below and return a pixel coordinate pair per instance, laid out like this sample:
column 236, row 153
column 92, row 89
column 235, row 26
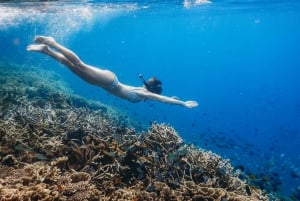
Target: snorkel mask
column 153, row 85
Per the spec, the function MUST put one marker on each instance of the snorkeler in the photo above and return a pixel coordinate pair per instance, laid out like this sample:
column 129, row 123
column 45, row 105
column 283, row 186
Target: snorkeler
column 104, row 78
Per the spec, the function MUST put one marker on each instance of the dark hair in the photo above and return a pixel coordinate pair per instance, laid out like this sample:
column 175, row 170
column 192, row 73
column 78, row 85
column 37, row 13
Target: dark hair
column 154, row 85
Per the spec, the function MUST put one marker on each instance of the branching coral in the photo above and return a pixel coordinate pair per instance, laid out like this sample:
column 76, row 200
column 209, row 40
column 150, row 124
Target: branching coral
column 57, row 146
column 40, row 181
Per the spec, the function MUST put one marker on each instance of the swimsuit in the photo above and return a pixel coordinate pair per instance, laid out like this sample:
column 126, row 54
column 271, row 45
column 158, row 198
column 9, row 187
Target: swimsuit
column 114, row 84
column 132, row 97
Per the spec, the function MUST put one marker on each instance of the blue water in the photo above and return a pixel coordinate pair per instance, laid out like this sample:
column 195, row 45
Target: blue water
column 239, row 59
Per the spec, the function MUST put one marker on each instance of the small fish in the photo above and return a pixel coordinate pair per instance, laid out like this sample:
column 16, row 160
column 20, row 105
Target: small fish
column 252, row 177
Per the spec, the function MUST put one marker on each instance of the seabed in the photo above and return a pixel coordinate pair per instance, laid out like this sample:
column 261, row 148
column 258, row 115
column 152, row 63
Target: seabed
column 58, row 146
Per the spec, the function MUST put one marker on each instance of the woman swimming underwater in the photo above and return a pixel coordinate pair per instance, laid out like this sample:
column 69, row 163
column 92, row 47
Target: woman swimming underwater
column 99, row 77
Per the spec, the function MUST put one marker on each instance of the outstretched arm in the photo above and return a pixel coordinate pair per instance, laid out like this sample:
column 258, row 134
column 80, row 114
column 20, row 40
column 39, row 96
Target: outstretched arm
column 152, row 96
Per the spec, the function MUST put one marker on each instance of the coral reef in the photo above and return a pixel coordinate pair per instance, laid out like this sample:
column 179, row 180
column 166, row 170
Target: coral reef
column 57, row 146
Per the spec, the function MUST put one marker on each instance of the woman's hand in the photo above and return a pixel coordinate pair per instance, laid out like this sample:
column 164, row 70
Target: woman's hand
column 190, row 104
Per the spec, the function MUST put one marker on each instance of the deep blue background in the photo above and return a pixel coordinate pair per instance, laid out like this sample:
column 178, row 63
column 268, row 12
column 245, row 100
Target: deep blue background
column 239, row 60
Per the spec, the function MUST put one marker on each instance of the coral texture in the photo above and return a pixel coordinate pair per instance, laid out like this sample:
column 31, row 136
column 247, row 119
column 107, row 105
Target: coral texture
column 57, row 146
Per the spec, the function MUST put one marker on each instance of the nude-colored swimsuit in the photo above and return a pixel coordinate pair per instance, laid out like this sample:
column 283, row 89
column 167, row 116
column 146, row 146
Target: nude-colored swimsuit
column 132, row 96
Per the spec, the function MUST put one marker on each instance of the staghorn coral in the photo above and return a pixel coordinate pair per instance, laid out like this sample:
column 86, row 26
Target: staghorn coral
column 40, row 181
column 57, row 146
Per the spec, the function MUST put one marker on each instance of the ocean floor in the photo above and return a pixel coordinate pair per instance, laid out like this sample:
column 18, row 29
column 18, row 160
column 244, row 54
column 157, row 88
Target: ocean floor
column 59, row 146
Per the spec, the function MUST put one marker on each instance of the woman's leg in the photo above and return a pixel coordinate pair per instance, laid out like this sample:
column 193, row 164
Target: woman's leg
column 66, row 52
column 90, row 74
column 42, row 48
column 45, row 49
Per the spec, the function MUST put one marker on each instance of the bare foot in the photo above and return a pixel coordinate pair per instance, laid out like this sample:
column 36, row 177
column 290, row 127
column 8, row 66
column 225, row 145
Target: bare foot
column 44, row 40
column 37, row 48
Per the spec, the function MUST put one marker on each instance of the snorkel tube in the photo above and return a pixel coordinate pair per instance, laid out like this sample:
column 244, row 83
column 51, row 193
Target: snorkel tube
column 153, row 85
column 143, row 80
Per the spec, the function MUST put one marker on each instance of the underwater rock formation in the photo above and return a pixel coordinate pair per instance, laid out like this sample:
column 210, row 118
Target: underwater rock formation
column 58, row 146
